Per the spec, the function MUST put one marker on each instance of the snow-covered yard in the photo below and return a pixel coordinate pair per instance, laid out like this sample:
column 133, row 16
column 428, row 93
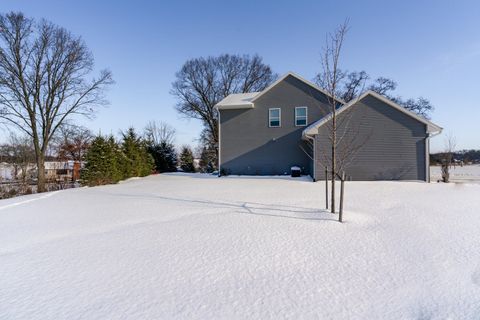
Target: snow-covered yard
column 199, row 247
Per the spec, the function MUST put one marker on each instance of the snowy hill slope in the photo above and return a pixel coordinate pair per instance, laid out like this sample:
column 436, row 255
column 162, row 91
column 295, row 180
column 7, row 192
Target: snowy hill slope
column 198, row 247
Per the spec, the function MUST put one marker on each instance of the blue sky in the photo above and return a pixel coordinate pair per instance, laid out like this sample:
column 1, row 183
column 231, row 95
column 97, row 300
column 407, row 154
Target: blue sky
column 430, row 48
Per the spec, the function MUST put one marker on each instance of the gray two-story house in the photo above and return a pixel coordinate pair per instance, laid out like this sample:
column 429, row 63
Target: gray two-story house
column 289, row 124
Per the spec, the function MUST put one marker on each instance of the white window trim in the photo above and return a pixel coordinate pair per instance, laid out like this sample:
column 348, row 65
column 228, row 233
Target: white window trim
column 306, row 116
column 279, row 118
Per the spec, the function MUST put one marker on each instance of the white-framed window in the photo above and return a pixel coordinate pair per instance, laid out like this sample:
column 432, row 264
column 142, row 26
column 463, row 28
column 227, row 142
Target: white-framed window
column 301, row 116
column 274, row 117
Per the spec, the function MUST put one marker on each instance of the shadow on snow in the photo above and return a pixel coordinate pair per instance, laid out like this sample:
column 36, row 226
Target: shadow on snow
column 251, row 208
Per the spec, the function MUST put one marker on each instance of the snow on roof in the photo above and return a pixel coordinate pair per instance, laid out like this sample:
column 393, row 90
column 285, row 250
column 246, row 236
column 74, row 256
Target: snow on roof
column 313, row 128
column 237, row 101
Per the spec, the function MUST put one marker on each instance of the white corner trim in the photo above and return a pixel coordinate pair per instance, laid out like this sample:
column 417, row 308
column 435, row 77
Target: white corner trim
column 427, row 158
column 219, row 144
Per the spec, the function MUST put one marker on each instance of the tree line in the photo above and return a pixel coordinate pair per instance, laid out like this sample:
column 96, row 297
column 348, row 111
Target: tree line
column 465, row 156
column 109, row 161
column 106, row 158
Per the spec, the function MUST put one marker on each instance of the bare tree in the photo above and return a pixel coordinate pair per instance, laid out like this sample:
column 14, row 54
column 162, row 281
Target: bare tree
column 159, row 132
column 20, row 153
column 354, row 84
column 383, row 86
column 72, row 142
column 203, row 82
column 332, row 77
column 350, row 84
column 447, row 157
column 43, row 70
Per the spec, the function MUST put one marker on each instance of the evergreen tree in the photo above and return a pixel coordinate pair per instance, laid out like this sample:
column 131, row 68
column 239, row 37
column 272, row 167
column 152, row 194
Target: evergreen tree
column 108, row 162
column 207, row 160
column 164, row 155
column 147, row 161
column 102, row 162
column 138, row 162
column 186, row 159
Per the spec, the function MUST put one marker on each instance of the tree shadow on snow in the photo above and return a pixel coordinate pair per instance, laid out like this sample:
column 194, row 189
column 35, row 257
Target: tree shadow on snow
column 251, row 208
column 254, row 178
column 279, row 212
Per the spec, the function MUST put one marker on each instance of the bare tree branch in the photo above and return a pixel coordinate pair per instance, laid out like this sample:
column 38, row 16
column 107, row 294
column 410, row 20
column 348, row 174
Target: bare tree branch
column 43, row 70
column 159, row 132
column 203, row 82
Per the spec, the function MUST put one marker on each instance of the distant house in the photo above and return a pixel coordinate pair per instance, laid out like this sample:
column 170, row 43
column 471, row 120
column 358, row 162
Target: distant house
column 11, row 171
column 7, row 171
column 268, row 132
column 62, row 170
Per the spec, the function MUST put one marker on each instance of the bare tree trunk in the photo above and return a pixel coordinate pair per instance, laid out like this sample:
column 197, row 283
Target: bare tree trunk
column 332, row 77
column 450, row 144
column 41, row 186
column 334, row 167
column 43, row 80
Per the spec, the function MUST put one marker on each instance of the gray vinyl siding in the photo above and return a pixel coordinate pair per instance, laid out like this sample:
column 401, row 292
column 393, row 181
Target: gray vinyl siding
column 390, row 144
column 248, row 146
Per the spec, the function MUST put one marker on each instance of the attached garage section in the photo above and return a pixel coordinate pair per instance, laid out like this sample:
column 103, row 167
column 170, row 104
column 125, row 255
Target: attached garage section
column 376, row 142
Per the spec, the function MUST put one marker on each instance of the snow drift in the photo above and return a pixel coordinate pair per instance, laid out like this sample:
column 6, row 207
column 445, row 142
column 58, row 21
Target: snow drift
column 198, row 247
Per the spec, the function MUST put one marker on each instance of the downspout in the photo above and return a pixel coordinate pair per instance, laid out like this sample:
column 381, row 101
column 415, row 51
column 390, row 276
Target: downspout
column 427, row 158
column 219, row 145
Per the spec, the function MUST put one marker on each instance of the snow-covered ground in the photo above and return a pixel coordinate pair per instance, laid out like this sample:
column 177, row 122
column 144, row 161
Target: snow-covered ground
column 467, row 173
column 198, row 247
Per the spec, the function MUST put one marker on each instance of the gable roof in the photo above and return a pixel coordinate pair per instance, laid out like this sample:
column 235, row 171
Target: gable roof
column 431, row 127
column 237, row 101
column 291, row 74
column 246, row 100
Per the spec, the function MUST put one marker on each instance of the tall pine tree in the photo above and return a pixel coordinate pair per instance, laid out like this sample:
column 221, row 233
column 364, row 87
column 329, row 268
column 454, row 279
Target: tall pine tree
column 207, row 160
column 186, row 159
column 139, row 162
column 102, row 162
column 164, row 155
column 107, row 162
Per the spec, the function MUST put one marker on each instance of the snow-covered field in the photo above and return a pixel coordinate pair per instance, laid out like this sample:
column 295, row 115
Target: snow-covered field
column 458, row 174
column 199, row 247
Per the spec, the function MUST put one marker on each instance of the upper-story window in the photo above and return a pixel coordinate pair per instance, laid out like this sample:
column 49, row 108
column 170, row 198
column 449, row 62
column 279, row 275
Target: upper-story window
column 301, row 115
column 274, row 117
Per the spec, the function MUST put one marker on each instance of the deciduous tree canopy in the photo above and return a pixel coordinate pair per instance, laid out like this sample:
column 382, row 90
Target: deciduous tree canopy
column 43, row 80
column 203, row 82
column 352, row 84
